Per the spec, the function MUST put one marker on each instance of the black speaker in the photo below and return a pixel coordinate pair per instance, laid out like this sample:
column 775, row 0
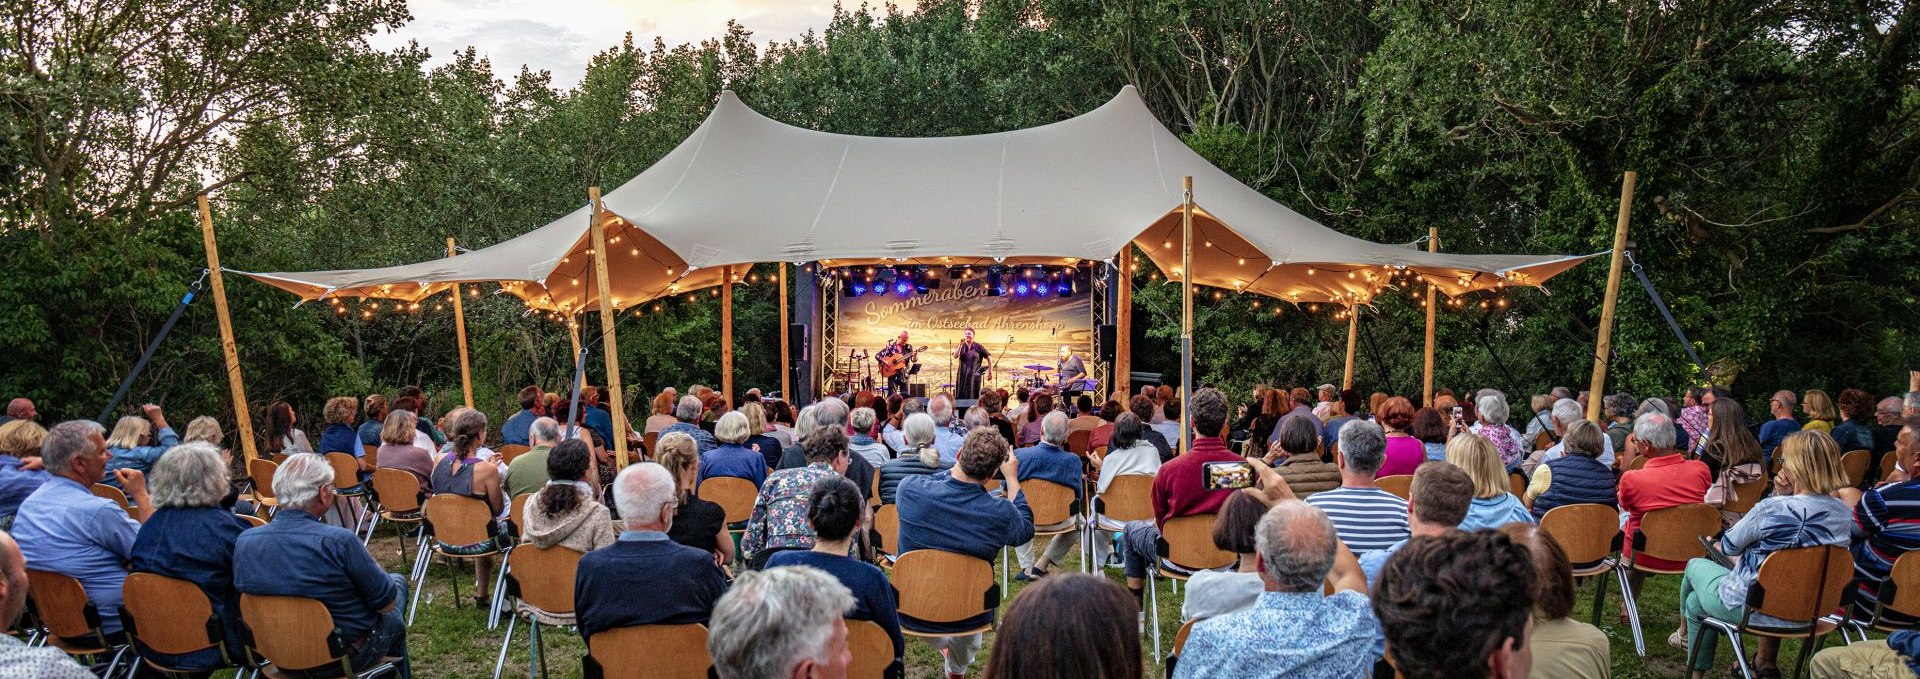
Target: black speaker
column 798, row 340
column 1108, row 338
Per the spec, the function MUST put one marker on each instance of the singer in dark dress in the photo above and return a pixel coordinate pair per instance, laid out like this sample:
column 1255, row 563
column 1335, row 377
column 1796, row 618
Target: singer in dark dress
column 970, row 357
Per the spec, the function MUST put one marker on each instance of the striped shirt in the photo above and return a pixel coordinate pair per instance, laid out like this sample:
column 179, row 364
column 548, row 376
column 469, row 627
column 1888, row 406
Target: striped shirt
column 1365, row 518
column 1886, row 524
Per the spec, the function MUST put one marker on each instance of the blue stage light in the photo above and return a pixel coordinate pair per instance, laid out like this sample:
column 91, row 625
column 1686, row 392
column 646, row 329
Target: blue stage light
column 1065, row 289
column 1020, row 289
column 859, row 289
column 1041, row 289
column 903, row 287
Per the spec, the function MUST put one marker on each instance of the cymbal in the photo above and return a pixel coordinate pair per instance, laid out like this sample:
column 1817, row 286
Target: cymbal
column 948, row 385
column 1038, row 367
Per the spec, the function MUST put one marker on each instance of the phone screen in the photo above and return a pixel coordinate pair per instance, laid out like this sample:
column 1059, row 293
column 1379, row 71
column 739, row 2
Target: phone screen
column 1223, row 475
column 1459, row 411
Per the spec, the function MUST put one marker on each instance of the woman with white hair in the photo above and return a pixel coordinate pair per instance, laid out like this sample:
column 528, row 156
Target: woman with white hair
column 863, row 443
column 733, row 458
column 1491, row 411
column 190, row 537
column 921, row 458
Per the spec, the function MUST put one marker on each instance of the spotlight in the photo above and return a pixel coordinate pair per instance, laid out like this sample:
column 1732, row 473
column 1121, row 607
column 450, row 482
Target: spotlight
column 859, row 289
column 903, row 287
column 1020, row 289
column 1066, row 289
column 1042, row 288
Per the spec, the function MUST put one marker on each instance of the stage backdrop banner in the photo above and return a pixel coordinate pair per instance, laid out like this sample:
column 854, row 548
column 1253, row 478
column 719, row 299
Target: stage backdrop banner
column 1018, row 330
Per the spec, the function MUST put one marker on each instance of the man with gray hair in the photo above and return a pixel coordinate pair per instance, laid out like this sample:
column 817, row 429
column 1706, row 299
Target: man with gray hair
column 944, row 436
column 1565, row 411
column 781, row 623
column 645, row 578
column 63, row 527
column 527, row 473
column 1298, row 553
column 895, row 437
column 862, row 443
column 298, row 555
column 1366, row 517
column 1668, row 479
column 1049, row 461
column 688, row 412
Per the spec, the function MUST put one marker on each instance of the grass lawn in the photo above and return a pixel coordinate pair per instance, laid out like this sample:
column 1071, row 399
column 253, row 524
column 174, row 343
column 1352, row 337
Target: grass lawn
column 453, row 643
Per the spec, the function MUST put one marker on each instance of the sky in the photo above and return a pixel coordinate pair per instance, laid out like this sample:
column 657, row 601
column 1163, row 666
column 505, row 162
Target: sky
column 561, row 35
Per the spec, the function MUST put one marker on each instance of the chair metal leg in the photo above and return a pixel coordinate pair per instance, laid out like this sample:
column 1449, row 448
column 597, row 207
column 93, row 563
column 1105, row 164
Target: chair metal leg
column 500, row 663
column 418, row 582
column 1740, row 654
column 1004, row 556
column 1814, row 640
column 373, row 524
column 1632, row 606
column 499, row 599
column 539, row 651
column 1153, row 619
column 1599, row 597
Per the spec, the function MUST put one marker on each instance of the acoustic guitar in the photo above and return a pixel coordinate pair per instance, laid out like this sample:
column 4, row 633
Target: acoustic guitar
column 892, row 364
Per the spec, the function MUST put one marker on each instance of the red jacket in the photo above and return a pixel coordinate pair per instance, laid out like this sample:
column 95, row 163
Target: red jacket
column 1179, row 488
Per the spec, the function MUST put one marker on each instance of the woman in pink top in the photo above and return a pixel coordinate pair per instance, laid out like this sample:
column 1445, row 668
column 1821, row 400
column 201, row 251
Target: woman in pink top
column 1404, row 452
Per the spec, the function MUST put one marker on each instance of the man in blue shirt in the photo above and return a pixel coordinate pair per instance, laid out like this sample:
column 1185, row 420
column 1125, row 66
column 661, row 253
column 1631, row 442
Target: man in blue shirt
column 688, row 412
column 645, row 578
column 514, row 431
column 1050, row 461
column 945, row 439
column 63, row 527
column 1782, row 424
column 953, row 512
column 296, row 555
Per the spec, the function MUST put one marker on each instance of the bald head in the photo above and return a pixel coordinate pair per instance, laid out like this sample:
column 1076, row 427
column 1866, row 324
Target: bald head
column 1297, row 547
column 21, row 408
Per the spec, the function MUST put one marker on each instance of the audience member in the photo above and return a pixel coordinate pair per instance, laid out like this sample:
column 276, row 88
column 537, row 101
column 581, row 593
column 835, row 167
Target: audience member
column 697, row 523
column 1212, row 593
column 837, row 513
column 21, row 468
column 1128, row 452
column 1577, row 477
column 769, row 447
column 1565, row 412
column 1430, row 428
column 17, row 659
column 644, row 578
column 297, row 555
column 1493, row 502
column 1668, row 479
column 592, row 415
column 1403, row 453
column 1298, row 549
column 953, row 512
column 1775, row 430
column 1437, row 501
column 1458, row 605
column 779, row 519
column 514, row 432
column 339, row 436
column 1802, row 512
column 1855, row 429
column 1295, row 455
column 64, row 528
column 662, row 413
column 1143, row 408
column 1728, row 443
column 461, row 472
column 1886, row 428
column 940, row 407
column 1366, row 517
column 1820, row 411
column 1068, row 627
column 369, row 430
column 1562, row 646
column 1542, row 422
column 283, row 431
column 1490, row 409
column 1348, row 409
column 1693, row 414
column 204, row 429
column 1886, row 524
column 1084, row 416
column 1618, row 409
column 528, row 472
column 780, row 423
column 1049, row 461
column 398, row 450
column 191, row 537
column 1180, row 488
column 862, row 442
column 732, row 458
column 564, row 511
column 19, row 409
column 138, row 441
column 1888, row 658
column 689, row 412
column 919, row 457
column 782, row 623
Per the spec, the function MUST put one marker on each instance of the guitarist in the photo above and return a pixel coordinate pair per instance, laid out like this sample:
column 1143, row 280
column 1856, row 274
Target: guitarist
column 894, row 361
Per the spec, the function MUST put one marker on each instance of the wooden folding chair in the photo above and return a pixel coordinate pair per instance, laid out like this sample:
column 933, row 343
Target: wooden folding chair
column 397, row 501
column 1590, row 534
column 346, row 484
column 517, row 513
column 252, row 521
column 457, row 520
column 174, row 617
column 942, row 588
column 73, row 625
column 651, row 652
column 119, row 498
column 1746, row 495
column 1855, row 462
column 873, row 490
column 872, row 650
column 297, row 633
column 1793, row 584
column 1401, row 485
column 541, row 580
column 260, row 472
column 735, row 495
column 1899, row 594
column 886, row 521
column 1077, row 442
column 1639, row 462
column 1672, row 534
column 1179, row 644
column 1052, row 503
column 510, row 451
column 1129, row 497
column 651, row 442
column 1887, row 463
column 1186, row 546
column 1516, row 484
column 371, row 454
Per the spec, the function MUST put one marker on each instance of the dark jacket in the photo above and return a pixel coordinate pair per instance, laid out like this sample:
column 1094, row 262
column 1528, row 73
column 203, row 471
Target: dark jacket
column 1577, row 479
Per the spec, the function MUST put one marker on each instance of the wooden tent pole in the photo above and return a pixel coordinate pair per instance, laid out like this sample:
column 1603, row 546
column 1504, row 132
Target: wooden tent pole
column 1123, row 326
column 608, row 340
column 1353, row 336
column 786, row 357
column 726, row 335
column 460, row 332
column 1604, row 346
column 241, row 418
column 1186, row 316
column 573, row 333
column 1433, row 301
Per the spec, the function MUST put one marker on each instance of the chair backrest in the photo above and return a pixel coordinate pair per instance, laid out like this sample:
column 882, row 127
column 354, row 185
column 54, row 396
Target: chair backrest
column 458, row 520
column 1887, row 463
column 545, row 575
column 517, row 511
column 169, row 615
column 650, row 441
column 114, row 494
column 1674, row 533
column 1543, row 440
column 1190, row 543
column 1129, row 497
column 1180, row 637
column 62, row 604
column 346, row 470
column 652, row 651
column 397, row 490
column 886, row 520
column 735, row 495
column 1900, row 592
column 1516, row 483
column 368, row 452
column 261, row 471
column 872, row 650
column 1585, row 531
column 1077, row 441
column 1855, row 462
column 512, row 450
column 1802, row 583
column 873, row 489
column 289, row 631
column 938, row 586
column 1051, row 502
column 1746, row 495
column 1638, row 462
column 1401, row 485
column 253, row 521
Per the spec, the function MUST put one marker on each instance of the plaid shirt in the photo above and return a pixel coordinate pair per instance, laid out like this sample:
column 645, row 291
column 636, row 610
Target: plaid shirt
column 780, row 513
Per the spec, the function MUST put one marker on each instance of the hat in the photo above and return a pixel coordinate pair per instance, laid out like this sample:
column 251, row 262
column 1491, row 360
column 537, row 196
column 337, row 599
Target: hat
column 1325, row 387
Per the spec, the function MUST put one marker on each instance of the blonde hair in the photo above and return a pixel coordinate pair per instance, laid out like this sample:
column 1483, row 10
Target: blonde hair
column 204, row 429
column 680, row 455
column 1818, row 406
column 129, row 432
column 341, row 410
column 21, row 438
column 756, row 418
column 399, row 427
column 1476, row 456
column 1812, row 460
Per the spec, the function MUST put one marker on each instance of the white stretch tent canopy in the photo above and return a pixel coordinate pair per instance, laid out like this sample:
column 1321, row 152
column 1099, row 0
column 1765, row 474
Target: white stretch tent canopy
column 744, row 188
